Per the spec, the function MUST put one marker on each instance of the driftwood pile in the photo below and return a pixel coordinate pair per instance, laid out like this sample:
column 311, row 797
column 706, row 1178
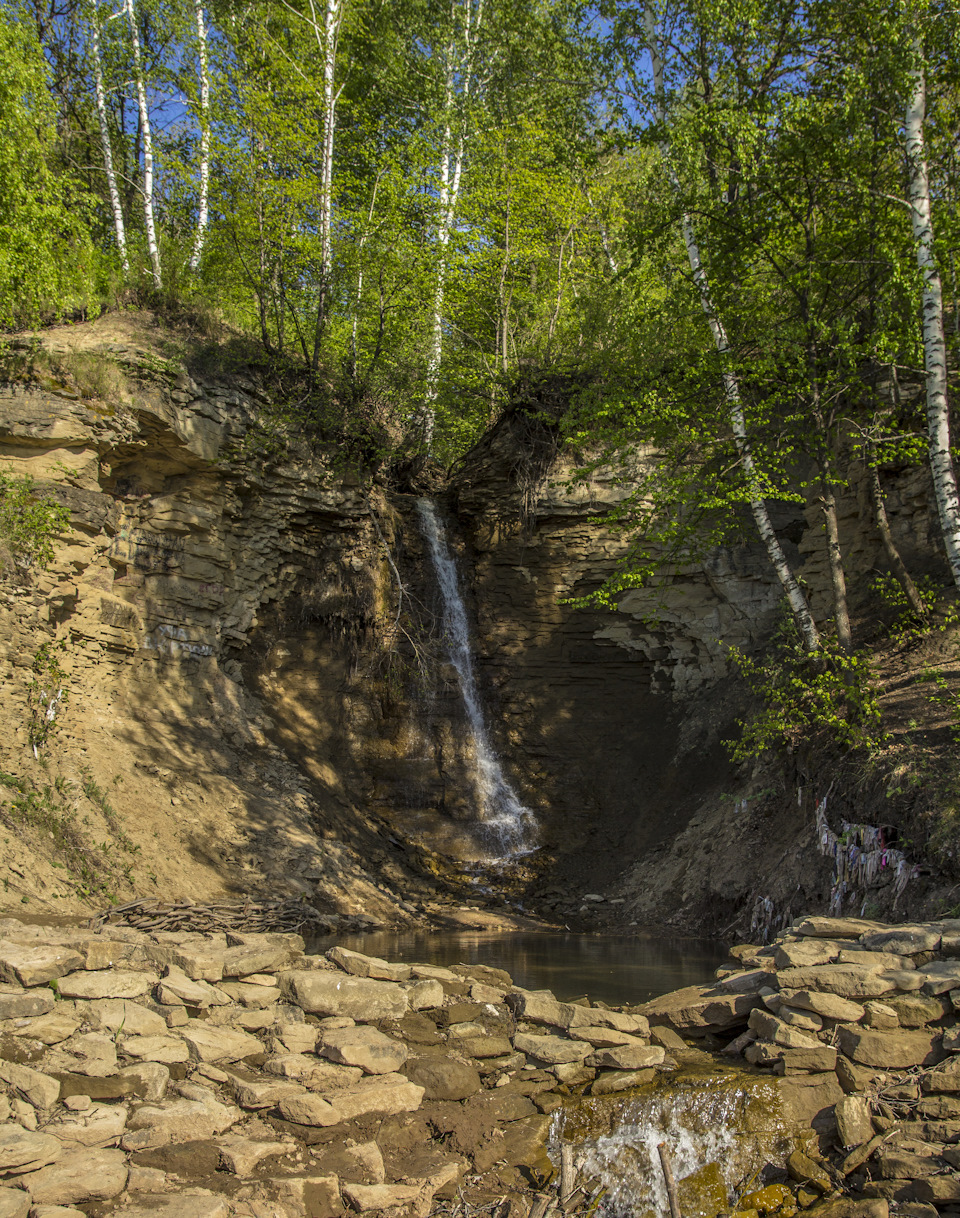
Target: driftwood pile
column 290, row 915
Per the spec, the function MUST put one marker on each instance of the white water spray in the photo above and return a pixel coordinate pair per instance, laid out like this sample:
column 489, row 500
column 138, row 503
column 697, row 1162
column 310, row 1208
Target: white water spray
column 738, row 1127
column 503, row 819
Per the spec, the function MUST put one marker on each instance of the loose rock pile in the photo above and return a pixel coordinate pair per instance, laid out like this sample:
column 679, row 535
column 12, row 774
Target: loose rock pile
column 860, row 1020
column 195, row 1076
column 191, row 1075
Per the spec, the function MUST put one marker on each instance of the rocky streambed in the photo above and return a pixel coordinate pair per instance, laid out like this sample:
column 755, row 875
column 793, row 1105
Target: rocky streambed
column 204, row 1075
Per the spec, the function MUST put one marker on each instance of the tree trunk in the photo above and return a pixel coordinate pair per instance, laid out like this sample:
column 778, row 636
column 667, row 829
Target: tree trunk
column 451, row 164
column 115, row 203
column 203, row 203
column 841, row 612
column 758, row 507
column 934, row 344
column 328, row 42
column 451, row 167
column 358, row 296
column 900, row 572
column 152, row 247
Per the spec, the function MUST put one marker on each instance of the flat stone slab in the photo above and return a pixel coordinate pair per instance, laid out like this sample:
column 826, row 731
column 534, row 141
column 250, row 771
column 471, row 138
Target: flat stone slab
column 120, row 1014
column 80, row 1175
column 443, row 1078
column 101, row 1125
column 385, row 1093
column 700, row 1008
column 804, row 952
column 92, row 1053
column 313, row 1074
column 52, row 1028
column 844, row 980
column 334, row 993
column 178, row 1207
column 613, row 1081
column 212, row 1044
column 261, row 953
column 771, row 1027
column 829, row 1006
column 604, row 1038
column 365, row 1047
column 111, row 983
column 14, row 1203
column 945, row 1079
column 22, row 1004
column 554, row 1050
column 166, row 1049
column 184, row 1120
column 39, row 965
column 902, row 940
column 837, row 928
column 37, row 1088
column 627, row 1057
column 254, row 1095
column 367, row 1197
column 544, row 1009
column 179, row 989
column 889, row 1050
column 22, row 1150
column 368, row 966
column 242, row 1155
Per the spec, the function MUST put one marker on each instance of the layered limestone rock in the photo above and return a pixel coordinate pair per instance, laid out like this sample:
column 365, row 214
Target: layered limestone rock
column 251, row 690
column 185, row 528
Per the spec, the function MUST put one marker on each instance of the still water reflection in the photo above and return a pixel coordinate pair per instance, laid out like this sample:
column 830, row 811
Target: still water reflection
column 616, row 969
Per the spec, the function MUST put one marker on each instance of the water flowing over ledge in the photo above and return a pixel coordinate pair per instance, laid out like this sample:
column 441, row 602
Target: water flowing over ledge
column 506, row 826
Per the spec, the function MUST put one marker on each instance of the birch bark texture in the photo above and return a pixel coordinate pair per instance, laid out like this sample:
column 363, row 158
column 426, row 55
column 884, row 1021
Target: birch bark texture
column 453, row 145
column 152, row 247
column 327, row 34
column 203, row 203
column 934, row 344
column 735, row 412
column 101, row 99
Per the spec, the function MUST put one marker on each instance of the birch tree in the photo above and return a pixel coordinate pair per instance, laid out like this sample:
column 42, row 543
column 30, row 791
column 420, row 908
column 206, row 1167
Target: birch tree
column 101, row 99
column 934, row 344
column 460, row 81
column 735, row 410
column 147, row 190
column 326, row 32
column 203, row 203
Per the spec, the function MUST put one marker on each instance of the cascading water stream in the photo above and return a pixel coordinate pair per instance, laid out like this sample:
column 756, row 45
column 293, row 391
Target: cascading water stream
column 505, row 823
column 735, row 1125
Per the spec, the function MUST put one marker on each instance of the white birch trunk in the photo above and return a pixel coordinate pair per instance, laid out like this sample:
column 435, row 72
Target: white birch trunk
column 203, row 205
column 328, row 38
column 934, row 344
column 358, row 298
column 152, row 247
column 758, row 507
column 451, row 167
column 101, row 97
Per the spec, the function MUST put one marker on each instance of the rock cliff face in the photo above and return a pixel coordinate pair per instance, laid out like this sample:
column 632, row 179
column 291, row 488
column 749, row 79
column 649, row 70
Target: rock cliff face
column 621, row 715
column 181, row 538
column 255, row 689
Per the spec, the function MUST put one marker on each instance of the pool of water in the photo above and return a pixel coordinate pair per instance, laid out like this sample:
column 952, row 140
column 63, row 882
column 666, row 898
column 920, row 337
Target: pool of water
column 613, row 969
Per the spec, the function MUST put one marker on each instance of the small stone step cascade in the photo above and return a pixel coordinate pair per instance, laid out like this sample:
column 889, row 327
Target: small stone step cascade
column 710, row 1130
column 858, row 1022
column 506, row 825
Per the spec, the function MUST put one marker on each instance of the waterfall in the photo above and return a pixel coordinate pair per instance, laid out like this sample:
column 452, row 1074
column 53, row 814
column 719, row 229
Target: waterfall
column 503, row 820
